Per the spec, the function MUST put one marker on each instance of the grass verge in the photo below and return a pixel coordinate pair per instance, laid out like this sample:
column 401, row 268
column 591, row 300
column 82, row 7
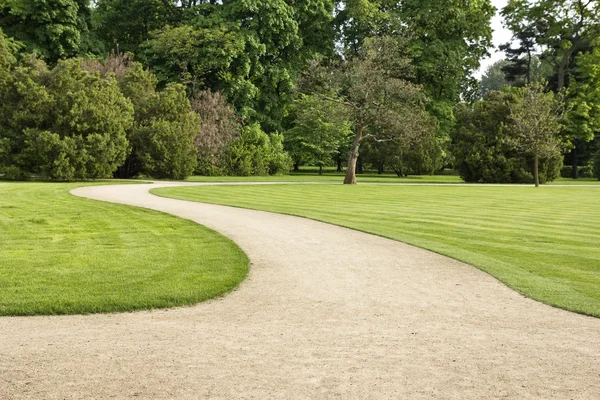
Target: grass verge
column 541, row 242
column 66, row 255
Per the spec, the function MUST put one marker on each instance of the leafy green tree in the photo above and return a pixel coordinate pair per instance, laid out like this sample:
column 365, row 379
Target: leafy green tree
column 534, row 124
column 65, row 123
column 256, row 153
column 164, row 141
column 563, row 27
column 53, row 29
column 320, row 129
column 494, row 77
column 582, row 121
column 381, row 103
column 174, row 55
column 128, row 23
column 161, row 139
column 481, row 145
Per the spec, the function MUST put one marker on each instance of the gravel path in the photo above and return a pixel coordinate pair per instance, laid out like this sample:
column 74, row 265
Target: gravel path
column 326, row 313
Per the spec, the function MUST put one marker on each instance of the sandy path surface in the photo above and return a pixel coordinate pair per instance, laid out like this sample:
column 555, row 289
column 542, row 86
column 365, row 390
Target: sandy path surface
column 326, row 313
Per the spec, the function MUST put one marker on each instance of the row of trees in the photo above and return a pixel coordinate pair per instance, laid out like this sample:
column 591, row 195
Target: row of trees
column 253, row 56
column 90, row 119
column 557, row 41
column 252, row 87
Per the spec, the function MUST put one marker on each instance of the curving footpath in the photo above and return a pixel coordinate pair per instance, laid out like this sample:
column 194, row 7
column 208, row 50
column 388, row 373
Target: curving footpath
column 326, row 313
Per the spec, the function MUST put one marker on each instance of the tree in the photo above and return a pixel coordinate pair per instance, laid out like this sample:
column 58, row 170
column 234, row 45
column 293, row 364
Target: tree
column 256, row 153
column 582, row 121
column 164, row 139
column 219, row 126
column 128, row 23
column 563, row 27
column 173, row 53
column 161, row 138
column 53, row 29
column 381, row 103
column 482, row 149
column 63, row 124
column 319, row 131
column 534, row 124
column 494, row 77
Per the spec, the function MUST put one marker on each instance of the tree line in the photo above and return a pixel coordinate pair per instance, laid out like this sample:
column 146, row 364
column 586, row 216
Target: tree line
column 166, row 88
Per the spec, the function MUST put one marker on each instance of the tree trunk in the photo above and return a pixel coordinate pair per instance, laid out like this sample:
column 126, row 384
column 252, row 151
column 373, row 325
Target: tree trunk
column 339, row 163
column 380, row 168
column 296, row 166
column 321, row 169
column 350, row 178
column 536, row 170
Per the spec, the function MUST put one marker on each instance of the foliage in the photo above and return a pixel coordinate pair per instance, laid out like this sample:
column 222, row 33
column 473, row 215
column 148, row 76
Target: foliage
column 534, row 124
column 596, row 167
column 494, row 78
column 65, row 123
column 583, row 119
column 219, row 126
column 53, row 29
column 448, row 40
column 563, row 27
column 173, row 54
column 129, row 23
column 380, row 102
column 320, row 129
column 256, row 153
column 482, row 149
column 162, row 137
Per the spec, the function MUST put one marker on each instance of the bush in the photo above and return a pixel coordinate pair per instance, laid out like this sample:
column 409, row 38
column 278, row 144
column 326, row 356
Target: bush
column 255, row 153
column 62, row 124
column 162, row 135
column 566, row 171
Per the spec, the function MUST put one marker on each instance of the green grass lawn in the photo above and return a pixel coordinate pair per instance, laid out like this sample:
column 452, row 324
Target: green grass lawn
column 331, row 178
column 308, row 175
column 542, row 242
column 61, row 254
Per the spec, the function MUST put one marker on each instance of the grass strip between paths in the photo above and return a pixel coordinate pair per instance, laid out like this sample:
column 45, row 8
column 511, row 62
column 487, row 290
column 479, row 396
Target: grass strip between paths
column 61, row 254
column 541, row 242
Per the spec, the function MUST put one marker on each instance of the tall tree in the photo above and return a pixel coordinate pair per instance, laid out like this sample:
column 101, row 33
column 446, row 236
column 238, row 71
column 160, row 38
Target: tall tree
column 563, row 28
column 494, row 77
column 381, row 103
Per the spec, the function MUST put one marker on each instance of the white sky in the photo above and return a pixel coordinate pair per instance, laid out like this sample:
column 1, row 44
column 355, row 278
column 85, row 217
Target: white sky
column 501, row 36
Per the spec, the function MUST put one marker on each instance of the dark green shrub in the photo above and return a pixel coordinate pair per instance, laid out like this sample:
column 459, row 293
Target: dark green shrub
column 62, row 124
column 596, row 165
column 255, row 153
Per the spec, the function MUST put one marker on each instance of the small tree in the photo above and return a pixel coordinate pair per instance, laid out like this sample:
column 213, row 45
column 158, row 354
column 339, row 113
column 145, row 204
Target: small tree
column 219, row 126
column 320, row 129
column 535, row 123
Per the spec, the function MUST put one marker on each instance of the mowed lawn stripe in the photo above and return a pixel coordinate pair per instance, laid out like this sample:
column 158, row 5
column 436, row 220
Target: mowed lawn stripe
column 66, row 255
column 542, row 242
